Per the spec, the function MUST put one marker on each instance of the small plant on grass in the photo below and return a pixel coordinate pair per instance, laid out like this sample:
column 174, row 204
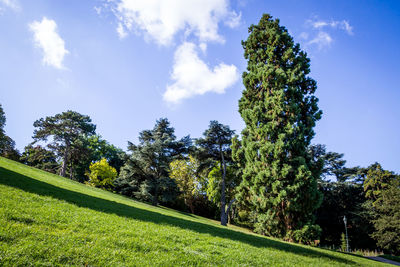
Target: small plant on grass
column 343, row 246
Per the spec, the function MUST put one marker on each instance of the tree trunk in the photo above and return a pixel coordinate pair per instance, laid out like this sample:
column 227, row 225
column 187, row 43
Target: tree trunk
column 224, row 217
column 71, row 171
column 65, row 159
column 191, row 206
column 228, row 209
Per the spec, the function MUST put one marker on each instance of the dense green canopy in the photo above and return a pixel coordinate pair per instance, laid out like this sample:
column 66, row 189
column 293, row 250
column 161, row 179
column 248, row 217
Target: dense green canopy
column 146, row 172
column 67, row 131
column 280, row 110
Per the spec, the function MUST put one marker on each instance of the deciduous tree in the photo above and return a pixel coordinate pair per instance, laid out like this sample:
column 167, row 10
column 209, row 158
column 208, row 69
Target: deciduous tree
column 7, row 145
column 377, row 179
column 184, row 172
column 102, row 175
column 215, row 147
column 387, row 221
column 213, row 189
column 40, row 157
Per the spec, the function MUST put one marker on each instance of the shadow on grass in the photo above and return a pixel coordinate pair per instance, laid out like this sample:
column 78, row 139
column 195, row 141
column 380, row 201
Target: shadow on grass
column 16, row 180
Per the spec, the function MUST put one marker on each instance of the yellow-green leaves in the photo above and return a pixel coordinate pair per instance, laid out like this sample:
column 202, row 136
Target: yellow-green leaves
column 102, row 175
column 184, row 173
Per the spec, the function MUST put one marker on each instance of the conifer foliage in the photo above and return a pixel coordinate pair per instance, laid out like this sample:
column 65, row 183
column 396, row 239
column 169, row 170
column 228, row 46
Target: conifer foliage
column 280, row 110
column 145, row 174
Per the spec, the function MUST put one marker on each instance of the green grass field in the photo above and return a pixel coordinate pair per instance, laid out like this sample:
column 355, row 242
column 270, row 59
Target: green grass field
column 49, row 220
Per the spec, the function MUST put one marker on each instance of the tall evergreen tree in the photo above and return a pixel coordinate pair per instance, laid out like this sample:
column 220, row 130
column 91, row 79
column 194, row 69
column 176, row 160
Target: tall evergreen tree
column 215, row 147
column 280, row 110
column 67, row 131
column 145, row 174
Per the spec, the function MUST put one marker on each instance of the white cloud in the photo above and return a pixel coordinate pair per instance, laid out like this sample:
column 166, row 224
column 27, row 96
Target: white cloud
column 343, row 25
column 13, row 4
column 322, row 31
column 161, row 20
column 233, row 19
column 346, row 26
column 322, row 40
column 192, row 76
column 47, row 38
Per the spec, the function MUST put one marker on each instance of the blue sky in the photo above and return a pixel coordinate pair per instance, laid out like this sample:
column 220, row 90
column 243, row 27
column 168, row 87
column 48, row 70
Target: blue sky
column 127, row 63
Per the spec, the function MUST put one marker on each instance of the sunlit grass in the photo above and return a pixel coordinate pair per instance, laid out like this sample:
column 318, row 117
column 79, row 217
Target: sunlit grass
column 49, row 220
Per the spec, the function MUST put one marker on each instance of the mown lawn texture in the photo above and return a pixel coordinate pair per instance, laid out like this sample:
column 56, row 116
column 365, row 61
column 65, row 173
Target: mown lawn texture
column 49, row 220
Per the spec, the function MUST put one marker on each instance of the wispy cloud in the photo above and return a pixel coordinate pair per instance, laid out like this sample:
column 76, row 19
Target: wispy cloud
column 47, row 39
column 320, row 32
column 192, row 76
column 343, row 25
column 161, row 20
column 322, row 40
column 12, row 4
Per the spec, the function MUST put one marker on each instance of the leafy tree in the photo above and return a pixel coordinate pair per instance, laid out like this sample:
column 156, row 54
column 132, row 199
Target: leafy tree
column 215, row 147
column 39, row 157
column 102, row 175
column 232, row 180
column 280, row 110
column 90, row 149
column 7, row 145
column 377, row 179
column 79, row 159
column 184, row 172
column 382, row 189
column 387, row 221
column 8, row 149
column 145, row 174
column 2, row 124
column 66, row 130
column 344, row 199
column 100, row 148
column 330, row 164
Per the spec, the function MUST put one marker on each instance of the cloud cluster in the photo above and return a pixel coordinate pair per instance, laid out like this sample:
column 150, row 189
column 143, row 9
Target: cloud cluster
column 46, row 38
column 322, row 38
column 161, row 20
column 192, row 76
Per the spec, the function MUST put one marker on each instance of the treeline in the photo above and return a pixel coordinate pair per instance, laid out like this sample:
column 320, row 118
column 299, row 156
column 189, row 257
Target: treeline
column 270, row 178
column 199, row 176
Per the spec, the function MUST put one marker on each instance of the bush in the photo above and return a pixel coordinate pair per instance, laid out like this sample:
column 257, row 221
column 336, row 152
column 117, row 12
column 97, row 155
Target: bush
column 308, row 235
column 102, row 175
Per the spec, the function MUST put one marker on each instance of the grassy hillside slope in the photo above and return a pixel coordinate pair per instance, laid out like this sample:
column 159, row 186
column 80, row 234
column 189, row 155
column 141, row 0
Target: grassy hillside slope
column 49, row 220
